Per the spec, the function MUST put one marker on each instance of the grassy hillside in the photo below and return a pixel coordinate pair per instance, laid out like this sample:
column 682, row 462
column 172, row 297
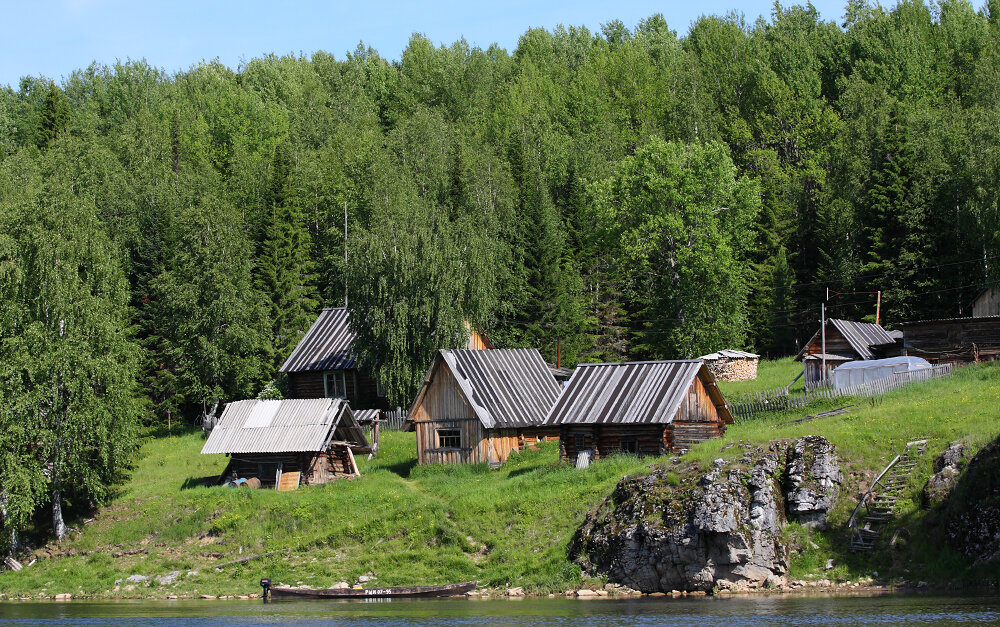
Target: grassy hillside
column 511, row 526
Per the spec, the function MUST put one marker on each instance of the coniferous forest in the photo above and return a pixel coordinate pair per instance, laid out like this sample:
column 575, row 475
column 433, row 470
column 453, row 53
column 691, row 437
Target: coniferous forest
column 643, row 192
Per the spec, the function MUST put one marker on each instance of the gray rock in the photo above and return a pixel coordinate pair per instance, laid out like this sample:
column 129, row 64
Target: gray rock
column 719, row 531
column 812, row 480
column 169, row 578
column 947, row 469
column 136, row 578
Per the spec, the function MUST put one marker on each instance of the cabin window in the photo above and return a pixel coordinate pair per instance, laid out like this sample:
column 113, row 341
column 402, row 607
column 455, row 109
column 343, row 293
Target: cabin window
column 630, row 445
column 581, row 442
column 379, row 389
column 449, row 438
column 335, row 384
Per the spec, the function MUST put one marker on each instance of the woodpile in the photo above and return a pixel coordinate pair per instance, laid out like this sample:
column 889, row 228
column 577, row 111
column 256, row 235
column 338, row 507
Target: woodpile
column 737, row 369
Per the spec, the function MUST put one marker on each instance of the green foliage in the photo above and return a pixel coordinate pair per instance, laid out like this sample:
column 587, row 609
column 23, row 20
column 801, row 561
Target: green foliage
column 681, row 220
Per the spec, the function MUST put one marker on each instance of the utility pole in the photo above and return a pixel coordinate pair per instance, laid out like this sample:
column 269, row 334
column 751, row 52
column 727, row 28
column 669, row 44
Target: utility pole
column 822, row 330
column 878, row 306
column 345, row 254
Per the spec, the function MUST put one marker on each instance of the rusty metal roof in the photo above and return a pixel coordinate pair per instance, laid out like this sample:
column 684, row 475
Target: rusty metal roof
column 640, row 392
column 510, row 387
column 328, row 345
column 285, row 426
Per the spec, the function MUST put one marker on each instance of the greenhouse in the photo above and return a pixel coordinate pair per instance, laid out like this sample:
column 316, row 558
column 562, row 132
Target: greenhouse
column 866, row 371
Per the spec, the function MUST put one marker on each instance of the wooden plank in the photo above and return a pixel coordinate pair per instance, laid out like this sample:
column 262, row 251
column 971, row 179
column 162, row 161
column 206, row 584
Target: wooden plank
column 290, row 480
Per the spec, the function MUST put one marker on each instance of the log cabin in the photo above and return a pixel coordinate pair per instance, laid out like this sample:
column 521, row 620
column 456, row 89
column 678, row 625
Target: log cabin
column 643, row 408
column 474, row 405
column 846, row 340
column 323, row 363
column 268, row 440
column 953, row 340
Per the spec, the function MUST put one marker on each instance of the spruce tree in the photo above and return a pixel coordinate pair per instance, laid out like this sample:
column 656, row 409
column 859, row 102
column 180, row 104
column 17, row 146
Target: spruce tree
column 285, row 267
column 213, row 320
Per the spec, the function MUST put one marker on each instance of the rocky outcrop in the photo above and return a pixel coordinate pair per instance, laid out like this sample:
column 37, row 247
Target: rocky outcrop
column 947, row 469
column 971, row 518
column 812, row 480
column 680, row 528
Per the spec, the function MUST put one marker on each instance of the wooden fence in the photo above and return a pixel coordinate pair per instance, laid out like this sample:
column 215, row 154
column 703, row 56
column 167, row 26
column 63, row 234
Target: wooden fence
column 393, row 420
column 779, row 399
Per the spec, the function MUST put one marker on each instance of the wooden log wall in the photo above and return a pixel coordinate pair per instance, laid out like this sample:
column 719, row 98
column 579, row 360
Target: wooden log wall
column 471, row 450
column 362, row 391
column 836, row 344
column 953, row 341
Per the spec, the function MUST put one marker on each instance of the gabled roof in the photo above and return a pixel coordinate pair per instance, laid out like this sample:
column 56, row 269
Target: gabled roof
column 729, row 353
column 504, row 387
column 327, row 345
column 862, row 336
column 286, row 426
column 641, row 392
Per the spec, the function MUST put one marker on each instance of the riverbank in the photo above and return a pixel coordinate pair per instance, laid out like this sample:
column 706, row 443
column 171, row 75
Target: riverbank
column 168, row 534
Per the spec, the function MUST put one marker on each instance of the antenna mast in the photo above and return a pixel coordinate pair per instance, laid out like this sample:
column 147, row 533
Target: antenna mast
column 345, row 254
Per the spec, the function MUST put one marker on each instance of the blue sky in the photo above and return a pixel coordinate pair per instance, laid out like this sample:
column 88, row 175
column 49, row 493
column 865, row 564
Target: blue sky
column 53, row 38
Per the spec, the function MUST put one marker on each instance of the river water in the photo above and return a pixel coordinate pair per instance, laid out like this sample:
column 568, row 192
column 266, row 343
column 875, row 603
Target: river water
column 708, row 612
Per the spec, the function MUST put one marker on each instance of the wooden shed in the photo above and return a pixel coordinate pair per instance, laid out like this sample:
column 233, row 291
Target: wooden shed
column 644, row 408
column 846, row 340
column 953, row 340
column 987, row 303
column 290, row 442
column 474, row 405
column 323, row 363
column 732, row 365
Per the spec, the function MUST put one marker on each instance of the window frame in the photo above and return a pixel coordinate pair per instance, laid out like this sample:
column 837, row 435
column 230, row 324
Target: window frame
column 447, row 437
column 336, row 376
column 580, row 442
column 629, row 445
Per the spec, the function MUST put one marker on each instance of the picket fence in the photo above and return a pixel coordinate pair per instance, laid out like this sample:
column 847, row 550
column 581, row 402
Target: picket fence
column 393, row 420
column 747, row 406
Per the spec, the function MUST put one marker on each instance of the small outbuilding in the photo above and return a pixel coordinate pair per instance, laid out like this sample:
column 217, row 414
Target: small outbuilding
column 846, row 340
column 732, row 365
column 474, row 405
column 858, row 372
column 987, row 303
column 288, row 443
column 644, row 408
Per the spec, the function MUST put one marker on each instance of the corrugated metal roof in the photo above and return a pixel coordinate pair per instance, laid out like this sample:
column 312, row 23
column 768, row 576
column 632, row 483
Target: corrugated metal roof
column 366, row 415
column 328, row 345
column 644, row 392
column 862, row 336
column 510, row 387
column 729, row 353
column 286, row 426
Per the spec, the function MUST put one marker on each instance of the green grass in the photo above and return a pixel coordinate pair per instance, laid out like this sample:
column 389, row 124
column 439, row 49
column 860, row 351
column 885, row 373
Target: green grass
column 406, row 524
column 413, row 524
column 771, row 373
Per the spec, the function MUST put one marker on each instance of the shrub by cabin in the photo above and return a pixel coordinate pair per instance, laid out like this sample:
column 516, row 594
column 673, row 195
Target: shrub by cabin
column 289, row 442
column 474, row 405
column 642, row 408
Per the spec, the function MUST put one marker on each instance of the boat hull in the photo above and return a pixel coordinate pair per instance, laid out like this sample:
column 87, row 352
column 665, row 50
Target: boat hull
column 398, row 592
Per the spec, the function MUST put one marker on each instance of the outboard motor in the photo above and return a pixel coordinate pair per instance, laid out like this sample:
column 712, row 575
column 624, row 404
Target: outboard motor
column 266, row 585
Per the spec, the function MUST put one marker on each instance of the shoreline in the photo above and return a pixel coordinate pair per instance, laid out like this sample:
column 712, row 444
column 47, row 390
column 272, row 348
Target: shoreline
column 609, row 592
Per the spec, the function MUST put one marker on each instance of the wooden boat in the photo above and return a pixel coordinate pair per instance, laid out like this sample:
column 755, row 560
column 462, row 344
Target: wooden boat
column 397, row 592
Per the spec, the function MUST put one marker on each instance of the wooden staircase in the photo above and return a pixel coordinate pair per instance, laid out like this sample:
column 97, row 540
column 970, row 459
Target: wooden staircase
column 880, row 499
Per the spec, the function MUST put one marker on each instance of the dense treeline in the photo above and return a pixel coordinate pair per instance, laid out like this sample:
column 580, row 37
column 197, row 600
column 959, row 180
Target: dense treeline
column 633, row 193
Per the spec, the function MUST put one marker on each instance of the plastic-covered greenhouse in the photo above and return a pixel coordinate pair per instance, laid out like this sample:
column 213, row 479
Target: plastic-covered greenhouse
column 865, row 371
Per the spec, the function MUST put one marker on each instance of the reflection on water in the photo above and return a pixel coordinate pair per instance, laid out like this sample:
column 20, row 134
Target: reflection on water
column 772, row 610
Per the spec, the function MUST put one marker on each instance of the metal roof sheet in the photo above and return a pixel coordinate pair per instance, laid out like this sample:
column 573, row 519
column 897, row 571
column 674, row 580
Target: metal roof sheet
column 729, row 353
column 861, row 336
column 646, row 392
column 510, row 387
column 327, row 345
column 286, row 426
